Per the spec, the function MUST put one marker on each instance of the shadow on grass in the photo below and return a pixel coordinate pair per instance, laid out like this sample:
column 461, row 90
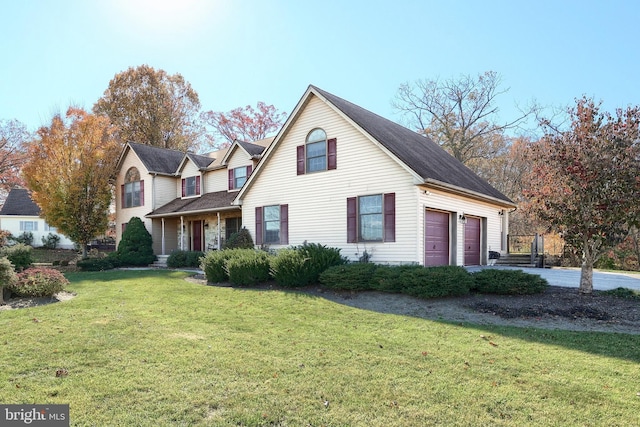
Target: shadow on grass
column 603, row 343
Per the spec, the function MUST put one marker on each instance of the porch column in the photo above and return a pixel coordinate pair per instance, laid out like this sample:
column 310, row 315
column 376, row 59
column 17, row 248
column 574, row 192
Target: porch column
column 219, row 232
column 182, row 233
column 163, row 249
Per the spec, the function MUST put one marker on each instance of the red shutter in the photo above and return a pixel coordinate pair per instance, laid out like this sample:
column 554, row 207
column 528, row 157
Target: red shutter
column 258, row 225
column 300, row 159
column 390, row 217
column 249, row 170
column 284, row 224
column 352, row 220
column 230, row 179
column 141, row 193
column 198, row 185
column 184, row 187
column 331, row 153
column 122, row 197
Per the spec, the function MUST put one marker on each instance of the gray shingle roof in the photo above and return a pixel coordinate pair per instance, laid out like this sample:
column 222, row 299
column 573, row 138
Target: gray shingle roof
column 19, row 203
column 252, row 149
column 207, row 202
column 420, row 153
column 158, row 160
column 201, row 161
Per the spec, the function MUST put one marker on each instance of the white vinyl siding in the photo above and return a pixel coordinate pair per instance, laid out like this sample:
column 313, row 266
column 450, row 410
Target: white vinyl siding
column 317, row 202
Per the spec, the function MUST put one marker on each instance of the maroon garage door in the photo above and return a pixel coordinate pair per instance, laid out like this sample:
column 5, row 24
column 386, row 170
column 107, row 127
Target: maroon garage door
column 436, row 238
column 472, row 241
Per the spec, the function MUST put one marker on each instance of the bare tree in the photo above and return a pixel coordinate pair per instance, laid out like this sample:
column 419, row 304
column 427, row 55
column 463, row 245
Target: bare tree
column 460, row 115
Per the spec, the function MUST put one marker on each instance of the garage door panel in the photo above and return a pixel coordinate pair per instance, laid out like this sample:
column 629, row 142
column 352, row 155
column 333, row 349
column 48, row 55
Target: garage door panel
column 436, row 238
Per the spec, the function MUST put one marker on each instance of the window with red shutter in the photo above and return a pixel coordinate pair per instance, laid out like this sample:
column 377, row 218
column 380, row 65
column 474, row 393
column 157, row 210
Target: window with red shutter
column 352, row 220
column 390, row 217
column 300, row 159
column 331, row 153
column 284, row 224
column 259, row 231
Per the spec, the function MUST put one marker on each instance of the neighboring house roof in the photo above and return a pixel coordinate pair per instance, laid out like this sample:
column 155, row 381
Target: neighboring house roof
column 19, row 202
column 218, row 200
column 158, row 160
column 420, row 153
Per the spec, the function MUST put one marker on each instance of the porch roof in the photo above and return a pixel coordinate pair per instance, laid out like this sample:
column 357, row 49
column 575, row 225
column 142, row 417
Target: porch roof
column 208, row 202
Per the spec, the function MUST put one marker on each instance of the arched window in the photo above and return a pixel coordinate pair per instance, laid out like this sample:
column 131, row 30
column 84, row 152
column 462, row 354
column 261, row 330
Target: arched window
column 316, row 150
column 132, row 189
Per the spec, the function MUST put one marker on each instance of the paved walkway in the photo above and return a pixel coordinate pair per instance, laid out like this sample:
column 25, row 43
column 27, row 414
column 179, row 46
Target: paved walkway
column 570, row 277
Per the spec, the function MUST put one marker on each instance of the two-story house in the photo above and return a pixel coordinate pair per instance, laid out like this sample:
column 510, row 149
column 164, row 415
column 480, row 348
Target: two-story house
column 184, row 199
column 335, row 174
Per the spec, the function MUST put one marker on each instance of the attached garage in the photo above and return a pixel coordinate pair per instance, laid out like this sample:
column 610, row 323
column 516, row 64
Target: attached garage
column 437, row 238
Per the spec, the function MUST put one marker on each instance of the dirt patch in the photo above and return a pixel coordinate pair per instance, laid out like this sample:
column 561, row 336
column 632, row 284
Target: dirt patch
column 556, row 308
column 24, row 302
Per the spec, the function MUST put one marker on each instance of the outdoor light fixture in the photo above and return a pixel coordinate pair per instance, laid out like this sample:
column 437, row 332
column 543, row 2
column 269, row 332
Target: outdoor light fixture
column 463, row 219
column 501, row 212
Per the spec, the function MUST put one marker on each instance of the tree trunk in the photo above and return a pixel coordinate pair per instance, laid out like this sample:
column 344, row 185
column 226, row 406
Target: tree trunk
column 586, row 275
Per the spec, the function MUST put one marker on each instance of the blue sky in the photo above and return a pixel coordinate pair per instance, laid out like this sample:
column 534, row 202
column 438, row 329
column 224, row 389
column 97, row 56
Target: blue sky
column 238, row 52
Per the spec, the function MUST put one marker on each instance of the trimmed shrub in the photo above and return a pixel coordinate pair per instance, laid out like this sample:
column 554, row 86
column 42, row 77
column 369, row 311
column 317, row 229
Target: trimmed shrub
column 240, row 240
column 39, row 282
column 248, row 267
column 387, row 278
column 19, row 254
column 290, row 268
column 434, row 282
column 95, row 264
column 8, row 277
column 625, row 293
column 302, row 265
column 213, row 264
column 136, row 246
column 508, row 282
column 179, row 259
column 356, row 276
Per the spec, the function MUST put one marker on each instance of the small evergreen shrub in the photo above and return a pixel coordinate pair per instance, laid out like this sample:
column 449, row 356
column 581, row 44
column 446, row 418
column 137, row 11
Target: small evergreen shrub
column 435, row 282
column 39, row 282
column 50, row 241
column 320, row 258
column 136, row 245
column 8, row 276
column 240, row 240
column 625, row 293
column 189, row 259
column 20, row 255
column 508, row 282
column 95, row 264
column 356, row 276
column 26, row 238
column 248, row 267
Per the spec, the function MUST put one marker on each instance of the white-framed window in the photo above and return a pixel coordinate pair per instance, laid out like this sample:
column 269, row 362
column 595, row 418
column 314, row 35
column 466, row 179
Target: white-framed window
column 47, row 227
column 239, row 176
column 132, row 189
column 191, row 186
column 316, row 151
column 28, row 225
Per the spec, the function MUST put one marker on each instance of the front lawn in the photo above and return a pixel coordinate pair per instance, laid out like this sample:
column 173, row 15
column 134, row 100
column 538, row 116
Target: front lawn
column 147, row 348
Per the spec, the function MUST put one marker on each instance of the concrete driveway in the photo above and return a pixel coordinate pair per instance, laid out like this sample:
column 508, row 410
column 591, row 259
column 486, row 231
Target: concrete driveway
column 570, row 277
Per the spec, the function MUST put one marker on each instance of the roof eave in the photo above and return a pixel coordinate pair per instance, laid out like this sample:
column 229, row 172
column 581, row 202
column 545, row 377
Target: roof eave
column 468, row 193
column 194, row 212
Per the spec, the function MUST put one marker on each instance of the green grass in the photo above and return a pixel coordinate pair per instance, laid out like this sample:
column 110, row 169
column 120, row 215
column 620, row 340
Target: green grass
column 147, row 348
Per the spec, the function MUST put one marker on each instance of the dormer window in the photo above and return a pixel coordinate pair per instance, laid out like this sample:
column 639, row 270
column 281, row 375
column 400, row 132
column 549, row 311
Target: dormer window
column 238, row 176
column 191, row 186
column 317, row 154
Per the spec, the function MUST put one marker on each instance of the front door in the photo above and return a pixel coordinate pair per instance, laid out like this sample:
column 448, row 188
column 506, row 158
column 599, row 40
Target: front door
column 436, row 238
column 196, row 244
column 472, row 241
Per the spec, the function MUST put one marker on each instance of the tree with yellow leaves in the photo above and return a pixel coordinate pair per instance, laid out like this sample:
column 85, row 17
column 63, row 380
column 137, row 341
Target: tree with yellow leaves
column 70, row 171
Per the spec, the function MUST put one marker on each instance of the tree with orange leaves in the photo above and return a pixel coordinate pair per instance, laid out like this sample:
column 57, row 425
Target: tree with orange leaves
column 70, row 171
column 585, row 181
